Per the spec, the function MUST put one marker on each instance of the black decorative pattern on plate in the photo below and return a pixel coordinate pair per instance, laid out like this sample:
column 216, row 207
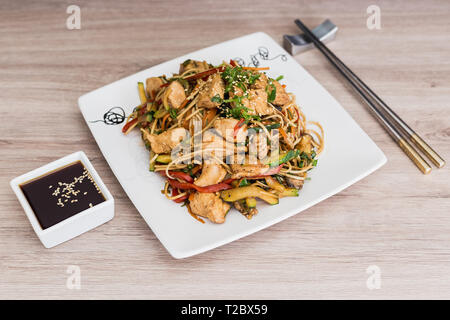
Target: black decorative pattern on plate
column 262, row 54
column 115, row 115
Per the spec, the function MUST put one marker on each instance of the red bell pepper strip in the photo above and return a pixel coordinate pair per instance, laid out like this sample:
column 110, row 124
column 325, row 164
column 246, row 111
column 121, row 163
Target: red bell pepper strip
column 208, row 189
column 129, row 124
column 233, row 63
column 179, row 175
column 181, row 199
column 175, row 192
column 140, row 111
column 238, row 126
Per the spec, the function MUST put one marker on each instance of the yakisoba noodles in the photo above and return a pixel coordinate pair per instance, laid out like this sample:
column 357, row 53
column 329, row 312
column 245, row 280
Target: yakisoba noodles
column 194, row 122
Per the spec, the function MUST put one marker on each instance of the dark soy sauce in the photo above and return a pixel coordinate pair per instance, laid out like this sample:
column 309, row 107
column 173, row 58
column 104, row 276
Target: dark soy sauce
column 62, row 193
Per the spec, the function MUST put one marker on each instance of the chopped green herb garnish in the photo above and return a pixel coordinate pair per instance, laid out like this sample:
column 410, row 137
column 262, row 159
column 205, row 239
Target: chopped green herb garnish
column 238, row 77
column 149, row 116
column 271, row 94
column 238, row 111
column 244, row 183
column 306, row 158
column 217, row 99
column 173, row 113
column 291, row 154
column 279, row 78
column 188, row 170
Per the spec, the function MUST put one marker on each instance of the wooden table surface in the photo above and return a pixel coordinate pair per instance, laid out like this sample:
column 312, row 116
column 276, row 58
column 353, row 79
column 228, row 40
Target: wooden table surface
column 396, row 219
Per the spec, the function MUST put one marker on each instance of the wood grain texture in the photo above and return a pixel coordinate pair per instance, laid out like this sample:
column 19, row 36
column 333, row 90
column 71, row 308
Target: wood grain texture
column 397, row 218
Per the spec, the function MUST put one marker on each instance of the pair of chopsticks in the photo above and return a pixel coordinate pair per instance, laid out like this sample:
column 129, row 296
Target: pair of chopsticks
column 393, row 124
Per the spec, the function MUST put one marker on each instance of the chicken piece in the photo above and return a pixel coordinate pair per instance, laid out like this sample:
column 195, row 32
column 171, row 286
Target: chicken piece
column 226, row 128
column 175, row 94
column 214, row 86
column 236, row 91
column 198, row 66
column 281, row 97
column 261, row 82
column 212, row 144
column 209, row 205
column 166, row 141
column 153, row 85
column 248, row 170
column 258, row 102
column 212, row 173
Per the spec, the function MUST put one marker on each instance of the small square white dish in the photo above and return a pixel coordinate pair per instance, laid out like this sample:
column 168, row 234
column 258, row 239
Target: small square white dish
column 349, row 154
column 76, row 224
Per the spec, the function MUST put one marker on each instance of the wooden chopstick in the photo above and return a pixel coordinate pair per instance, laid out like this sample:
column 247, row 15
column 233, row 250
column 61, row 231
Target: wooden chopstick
column 389, row 123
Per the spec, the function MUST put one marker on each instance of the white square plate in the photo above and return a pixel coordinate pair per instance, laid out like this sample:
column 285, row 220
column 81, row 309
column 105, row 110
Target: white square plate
column 349, row 153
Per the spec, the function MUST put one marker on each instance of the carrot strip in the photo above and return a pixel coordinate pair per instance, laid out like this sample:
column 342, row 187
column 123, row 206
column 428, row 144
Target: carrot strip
column 194, row 215
column 196, row 169
column 255, row 69
column 163, row 124
column 283, row 133
column 205, row 73
column 184, row 104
